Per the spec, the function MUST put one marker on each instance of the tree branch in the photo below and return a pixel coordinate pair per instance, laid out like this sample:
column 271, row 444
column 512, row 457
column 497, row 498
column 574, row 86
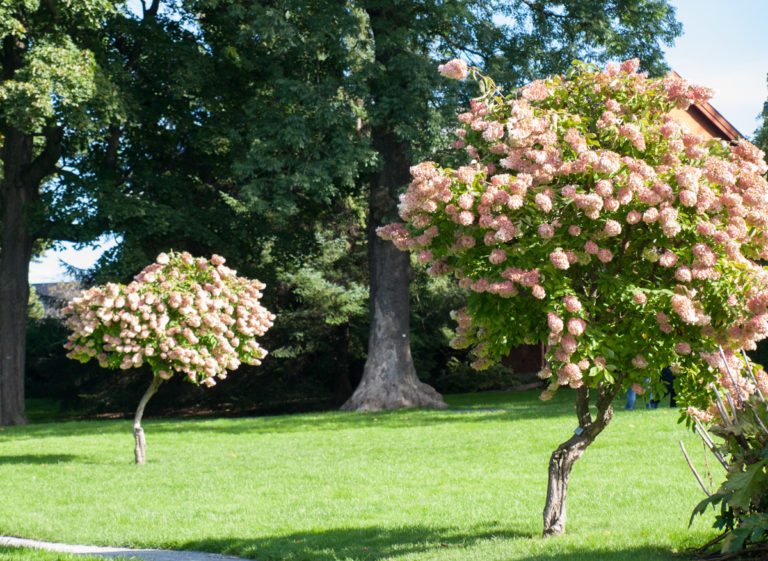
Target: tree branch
column 582, row 406
column 150, row 12
column 459, row 47
column 45, row 162
column 115, row 132
column 61, row 171
column 533, row 5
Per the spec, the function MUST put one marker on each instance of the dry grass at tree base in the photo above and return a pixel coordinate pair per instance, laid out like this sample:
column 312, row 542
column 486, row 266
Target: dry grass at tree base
column 462, row 484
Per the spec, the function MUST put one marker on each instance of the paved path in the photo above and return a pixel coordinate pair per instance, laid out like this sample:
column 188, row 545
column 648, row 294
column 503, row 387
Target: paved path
column 126, row 552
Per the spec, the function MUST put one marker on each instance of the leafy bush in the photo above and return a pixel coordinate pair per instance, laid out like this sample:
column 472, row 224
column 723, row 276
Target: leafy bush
column 741, row 421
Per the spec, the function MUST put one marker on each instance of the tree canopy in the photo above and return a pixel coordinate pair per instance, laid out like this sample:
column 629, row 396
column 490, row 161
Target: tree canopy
column 241, row 128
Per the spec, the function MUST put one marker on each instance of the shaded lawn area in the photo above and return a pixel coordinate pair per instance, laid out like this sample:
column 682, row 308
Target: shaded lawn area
column 463, row 484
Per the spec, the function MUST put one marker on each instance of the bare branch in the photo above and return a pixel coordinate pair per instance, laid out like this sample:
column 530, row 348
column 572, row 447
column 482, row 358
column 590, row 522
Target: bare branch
column 702, row 432
column 693, row 469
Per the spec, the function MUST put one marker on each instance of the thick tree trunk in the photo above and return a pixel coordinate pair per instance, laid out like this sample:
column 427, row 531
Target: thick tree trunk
column 24, row 170
column 389, row 377
column 562, row 459
column 15, row 253
column 140, row 452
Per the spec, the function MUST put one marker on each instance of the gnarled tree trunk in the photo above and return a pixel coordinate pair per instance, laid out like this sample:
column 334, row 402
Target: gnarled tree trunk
column 140, row 452
column 562, row 460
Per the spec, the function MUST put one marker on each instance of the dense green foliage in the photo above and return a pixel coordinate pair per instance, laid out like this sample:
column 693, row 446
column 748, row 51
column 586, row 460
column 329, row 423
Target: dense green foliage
column 248, row 129
column 743, row 496
column 55, row 89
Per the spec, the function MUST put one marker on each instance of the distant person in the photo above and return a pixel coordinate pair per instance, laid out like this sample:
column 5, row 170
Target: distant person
column 668, row 377
column 631, row 398
column 632, row 393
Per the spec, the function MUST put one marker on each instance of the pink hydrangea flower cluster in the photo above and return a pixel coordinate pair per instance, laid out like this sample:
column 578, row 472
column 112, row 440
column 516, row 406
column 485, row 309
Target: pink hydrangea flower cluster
column 648, row 226
column 456, row 69
column 180, row 314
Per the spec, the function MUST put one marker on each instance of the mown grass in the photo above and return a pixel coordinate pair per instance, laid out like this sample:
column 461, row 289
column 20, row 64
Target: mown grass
column 463, row 484
column 8, row 553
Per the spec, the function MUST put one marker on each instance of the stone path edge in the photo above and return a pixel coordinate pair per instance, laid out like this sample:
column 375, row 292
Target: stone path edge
column 125, row 552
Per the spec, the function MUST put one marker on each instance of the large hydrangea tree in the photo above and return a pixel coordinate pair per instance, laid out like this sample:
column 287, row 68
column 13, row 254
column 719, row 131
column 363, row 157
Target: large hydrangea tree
column 181, row 314
column 587, row 218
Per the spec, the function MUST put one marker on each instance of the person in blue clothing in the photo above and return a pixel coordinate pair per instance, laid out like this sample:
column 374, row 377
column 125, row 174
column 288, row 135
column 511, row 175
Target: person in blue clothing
column 631, row 398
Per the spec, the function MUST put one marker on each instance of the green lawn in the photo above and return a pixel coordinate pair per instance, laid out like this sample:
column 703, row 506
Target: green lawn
column 464, row 484
column 25, row 554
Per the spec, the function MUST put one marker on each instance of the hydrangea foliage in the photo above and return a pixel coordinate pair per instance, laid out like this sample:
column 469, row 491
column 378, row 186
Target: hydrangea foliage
column 589, row 219
column 181, row 314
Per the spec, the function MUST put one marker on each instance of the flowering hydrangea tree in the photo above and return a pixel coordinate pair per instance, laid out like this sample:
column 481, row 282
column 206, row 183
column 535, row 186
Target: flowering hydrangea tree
column 587, row 218
column 181, row 314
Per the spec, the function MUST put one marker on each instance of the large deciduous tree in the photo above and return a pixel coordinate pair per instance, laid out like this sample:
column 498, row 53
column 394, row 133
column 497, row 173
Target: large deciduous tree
column 243, row 137
column 406, row 110
column 302, row 102
column 587, row 219
column 52, row 93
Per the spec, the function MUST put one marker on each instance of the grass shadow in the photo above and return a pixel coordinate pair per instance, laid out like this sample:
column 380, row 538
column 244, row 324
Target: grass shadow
column 39, row 459
column 638, row 553
column 467, row 408
column 365, row 544
column 376, row 544
column 464, row 408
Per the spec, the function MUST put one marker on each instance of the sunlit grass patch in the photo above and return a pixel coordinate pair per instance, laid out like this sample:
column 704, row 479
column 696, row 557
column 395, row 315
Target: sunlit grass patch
column 466, row 483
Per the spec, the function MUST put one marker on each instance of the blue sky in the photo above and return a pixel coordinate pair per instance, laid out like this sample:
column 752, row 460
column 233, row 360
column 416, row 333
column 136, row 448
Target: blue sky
column 724, row 46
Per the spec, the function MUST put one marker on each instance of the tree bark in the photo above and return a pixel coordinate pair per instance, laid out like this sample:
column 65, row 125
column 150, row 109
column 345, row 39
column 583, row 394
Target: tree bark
column 15, row 253
column 563, row 458
column 389, row 376
column 140, row 452
column 24, row 171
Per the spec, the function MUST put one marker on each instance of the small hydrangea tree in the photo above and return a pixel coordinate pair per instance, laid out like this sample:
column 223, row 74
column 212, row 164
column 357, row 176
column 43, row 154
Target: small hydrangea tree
column 588, row 219
column 181, row 314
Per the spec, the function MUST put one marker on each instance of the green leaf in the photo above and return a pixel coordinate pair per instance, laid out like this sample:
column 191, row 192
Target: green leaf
column 745, row 485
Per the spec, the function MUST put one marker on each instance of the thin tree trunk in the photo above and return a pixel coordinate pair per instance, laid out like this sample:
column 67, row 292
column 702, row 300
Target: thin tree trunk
column 140, row 451
column 563, row 458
